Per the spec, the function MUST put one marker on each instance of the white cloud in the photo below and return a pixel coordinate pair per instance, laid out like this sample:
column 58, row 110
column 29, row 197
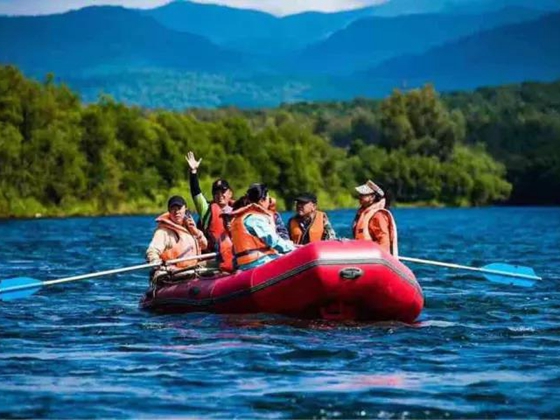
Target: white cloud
column 286, row 7
column 277, row 7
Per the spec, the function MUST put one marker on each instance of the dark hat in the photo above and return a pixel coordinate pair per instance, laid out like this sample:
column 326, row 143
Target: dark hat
column 220, row 185
column 306, row 197
column 176, row 200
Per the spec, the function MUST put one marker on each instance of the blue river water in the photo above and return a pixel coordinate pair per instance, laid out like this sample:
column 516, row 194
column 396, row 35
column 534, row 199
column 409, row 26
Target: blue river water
column 479, row 349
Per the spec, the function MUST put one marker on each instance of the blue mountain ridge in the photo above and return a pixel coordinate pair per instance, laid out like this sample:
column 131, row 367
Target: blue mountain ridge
column 370, row 41
column 526, row 51
column 104, row 37
column 144, row 60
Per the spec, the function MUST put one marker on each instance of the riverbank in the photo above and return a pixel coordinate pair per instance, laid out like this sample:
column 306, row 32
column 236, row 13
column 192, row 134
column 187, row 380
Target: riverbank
column 130, row 210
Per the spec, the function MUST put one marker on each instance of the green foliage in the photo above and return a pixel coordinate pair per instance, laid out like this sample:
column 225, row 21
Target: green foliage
column 520, row 126
column 60, row 157
column 421, row 124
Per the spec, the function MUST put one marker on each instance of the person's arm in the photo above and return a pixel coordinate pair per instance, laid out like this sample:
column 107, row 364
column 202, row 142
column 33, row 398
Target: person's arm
column 156, row 247
column 328, row 231
column 200, row 202
column 196, row 233
column 202, row 241
column 261, row 228
column 379, row 229
column 281, row 229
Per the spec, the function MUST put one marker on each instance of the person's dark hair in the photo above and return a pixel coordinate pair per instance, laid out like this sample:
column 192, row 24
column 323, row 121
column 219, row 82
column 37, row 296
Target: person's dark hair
column 257, row 192
column 388, row 196
column 241, row 202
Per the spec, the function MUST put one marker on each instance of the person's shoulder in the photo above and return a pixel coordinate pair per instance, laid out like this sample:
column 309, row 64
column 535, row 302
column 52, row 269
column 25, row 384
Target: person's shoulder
column 255, row 217
column 256, row 220
column 162, row 230
column 384, row 213
column 381, row 216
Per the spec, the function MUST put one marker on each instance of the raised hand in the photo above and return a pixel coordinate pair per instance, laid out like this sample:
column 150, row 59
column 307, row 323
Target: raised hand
column 193, row 163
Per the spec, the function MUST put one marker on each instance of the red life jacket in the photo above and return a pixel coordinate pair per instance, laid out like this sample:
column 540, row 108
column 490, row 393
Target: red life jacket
column 186, row 245
column 215, row 227
column 314, row 231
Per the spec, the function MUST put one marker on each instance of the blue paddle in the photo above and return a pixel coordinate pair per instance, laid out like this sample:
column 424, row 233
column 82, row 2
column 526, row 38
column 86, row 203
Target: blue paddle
column 515, row 275
column 21, row 287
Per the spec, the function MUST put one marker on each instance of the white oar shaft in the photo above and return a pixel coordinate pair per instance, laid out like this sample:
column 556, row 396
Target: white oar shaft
column 465, row 267
column 105, row 273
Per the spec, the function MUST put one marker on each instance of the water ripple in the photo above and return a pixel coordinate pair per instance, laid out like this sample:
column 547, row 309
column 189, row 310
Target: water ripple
column 479, row 349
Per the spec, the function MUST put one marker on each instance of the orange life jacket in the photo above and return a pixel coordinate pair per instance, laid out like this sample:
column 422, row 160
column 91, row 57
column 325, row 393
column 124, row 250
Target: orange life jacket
column 246, row 247
column 361, row 227
column 215, row 227
column 186, row 245
column 314, row 231
column 225, row 247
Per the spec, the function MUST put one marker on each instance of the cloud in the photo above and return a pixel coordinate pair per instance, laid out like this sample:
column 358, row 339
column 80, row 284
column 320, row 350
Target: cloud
column 286, row 7
column 277, row 7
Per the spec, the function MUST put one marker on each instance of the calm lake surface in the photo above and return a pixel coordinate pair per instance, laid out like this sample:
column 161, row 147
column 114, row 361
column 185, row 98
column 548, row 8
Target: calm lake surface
column 479, row 349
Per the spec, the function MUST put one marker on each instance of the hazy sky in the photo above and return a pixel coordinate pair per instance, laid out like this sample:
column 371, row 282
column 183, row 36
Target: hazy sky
column 277, row 7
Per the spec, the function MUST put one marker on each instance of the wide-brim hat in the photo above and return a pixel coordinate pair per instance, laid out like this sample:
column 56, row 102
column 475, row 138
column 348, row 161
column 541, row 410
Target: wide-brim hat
column 370, row 187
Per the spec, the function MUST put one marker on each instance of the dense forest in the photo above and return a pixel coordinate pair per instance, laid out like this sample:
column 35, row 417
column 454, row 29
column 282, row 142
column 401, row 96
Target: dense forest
column 59, row 156
column 518, row 125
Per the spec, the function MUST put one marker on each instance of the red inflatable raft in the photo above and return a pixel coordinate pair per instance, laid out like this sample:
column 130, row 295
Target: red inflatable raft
column 343, row 280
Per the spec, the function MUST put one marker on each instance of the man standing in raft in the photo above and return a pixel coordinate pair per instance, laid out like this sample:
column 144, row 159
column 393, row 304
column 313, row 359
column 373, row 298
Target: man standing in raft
column 210, row 221
column 253, row 232
column 176, row 236
column 309, row 224
column 374, row 221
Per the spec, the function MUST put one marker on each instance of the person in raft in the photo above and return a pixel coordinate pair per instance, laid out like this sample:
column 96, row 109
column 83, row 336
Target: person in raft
column 281, row 229
column 309, row 224
column 176, row 236
column 210, row 221
column 373, row 220
column 253, row 232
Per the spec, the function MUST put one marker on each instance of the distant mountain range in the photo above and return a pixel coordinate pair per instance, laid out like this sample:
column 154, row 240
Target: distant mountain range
column 407, row 7
column 185, row 54
column 98, row 38
column 372, row 40
column 509, row 54
column 261, row 33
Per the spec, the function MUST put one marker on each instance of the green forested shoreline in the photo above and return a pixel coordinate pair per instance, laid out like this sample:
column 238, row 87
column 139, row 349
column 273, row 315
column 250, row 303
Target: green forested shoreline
column 59, row 156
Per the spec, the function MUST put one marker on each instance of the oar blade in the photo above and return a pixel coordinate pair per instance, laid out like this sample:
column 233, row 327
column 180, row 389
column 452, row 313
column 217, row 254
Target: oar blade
column 32, row 285
column 512, row 269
